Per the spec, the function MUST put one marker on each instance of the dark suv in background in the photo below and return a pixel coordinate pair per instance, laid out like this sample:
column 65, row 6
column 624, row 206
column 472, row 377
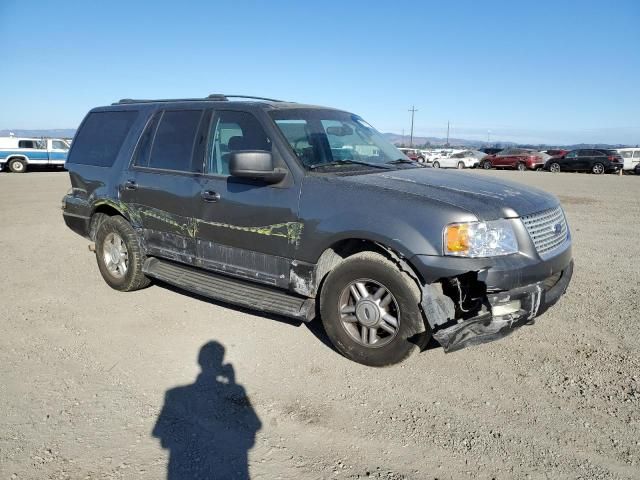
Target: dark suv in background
column 586, row 160
column 308, row 211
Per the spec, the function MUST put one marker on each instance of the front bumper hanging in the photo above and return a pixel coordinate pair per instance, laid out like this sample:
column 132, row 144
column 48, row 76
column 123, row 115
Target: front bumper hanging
column 508, row 310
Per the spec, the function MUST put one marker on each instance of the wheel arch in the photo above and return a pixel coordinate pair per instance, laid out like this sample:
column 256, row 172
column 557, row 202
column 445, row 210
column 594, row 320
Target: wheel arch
column 100, row 212
column 342, row 249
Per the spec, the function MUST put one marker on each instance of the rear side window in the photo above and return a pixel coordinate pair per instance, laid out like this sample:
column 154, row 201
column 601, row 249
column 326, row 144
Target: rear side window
column 100, row 138
column 27, row 144
column 143, row 150
column 174, row 140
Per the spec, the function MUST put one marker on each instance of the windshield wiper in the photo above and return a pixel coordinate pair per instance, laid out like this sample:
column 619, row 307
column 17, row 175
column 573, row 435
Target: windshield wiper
column 405, row 160
column 347, row 162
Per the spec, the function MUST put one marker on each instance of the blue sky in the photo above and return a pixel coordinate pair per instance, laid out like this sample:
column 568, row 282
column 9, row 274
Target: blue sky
column 545, row 71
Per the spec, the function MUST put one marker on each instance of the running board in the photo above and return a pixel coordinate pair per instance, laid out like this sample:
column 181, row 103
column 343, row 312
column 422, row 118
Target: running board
column 230, row 290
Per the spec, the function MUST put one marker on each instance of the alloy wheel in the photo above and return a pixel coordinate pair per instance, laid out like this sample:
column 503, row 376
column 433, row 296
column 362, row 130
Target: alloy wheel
column 369, row 313
column 115, row 255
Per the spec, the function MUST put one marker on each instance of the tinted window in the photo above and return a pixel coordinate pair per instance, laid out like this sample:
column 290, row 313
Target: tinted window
column 100, row 137
column 232, row 132
column 571, row 155
column 174, row 140
column 143, row 150
column 27, row 144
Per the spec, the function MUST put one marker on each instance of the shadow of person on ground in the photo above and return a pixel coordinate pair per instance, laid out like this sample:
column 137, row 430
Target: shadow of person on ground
column 208, row 426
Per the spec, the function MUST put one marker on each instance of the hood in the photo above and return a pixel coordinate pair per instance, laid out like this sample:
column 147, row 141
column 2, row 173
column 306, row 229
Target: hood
column 486, row 198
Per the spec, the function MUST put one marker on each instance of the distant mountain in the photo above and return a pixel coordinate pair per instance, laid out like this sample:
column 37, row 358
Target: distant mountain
column 435, row 141
column 52, row 133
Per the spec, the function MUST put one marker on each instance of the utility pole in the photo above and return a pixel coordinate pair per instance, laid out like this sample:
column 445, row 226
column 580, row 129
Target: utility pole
column 447, row 133
column 413, row 111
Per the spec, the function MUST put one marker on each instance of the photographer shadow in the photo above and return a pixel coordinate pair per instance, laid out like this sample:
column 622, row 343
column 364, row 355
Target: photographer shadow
column 208, row 426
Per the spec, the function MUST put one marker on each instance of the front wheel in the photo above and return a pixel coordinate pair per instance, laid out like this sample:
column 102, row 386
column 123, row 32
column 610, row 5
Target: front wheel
column 554, row 167
column 436, row 164
column 120, row 255
column 17, row 165
column 370, row 311
column 598, row 169
column 521, row 167
column 486, row 165
column 460, row 165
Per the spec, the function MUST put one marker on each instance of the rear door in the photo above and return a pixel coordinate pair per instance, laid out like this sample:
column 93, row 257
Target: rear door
column 245, row 228
column 161, row 189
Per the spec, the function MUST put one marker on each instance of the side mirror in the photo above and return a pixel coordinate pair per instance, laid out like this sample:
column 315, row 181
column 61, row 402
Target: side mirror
column 255, row 165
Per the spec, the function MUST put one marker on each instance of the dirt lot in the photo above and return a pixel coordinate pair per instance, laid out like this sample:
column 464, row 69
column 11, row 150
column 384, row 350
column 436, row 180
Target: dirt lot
column 85, row 370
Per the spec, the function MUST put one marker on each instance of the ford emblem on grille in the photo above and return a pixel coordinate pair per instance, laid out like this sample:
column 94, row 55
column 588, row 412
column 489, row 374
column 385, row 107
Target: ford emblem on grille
column 557, row 228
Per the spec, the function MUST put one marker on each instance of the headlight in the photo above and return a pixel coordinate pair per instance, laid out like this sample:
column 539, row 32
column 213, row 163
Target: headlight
column 480, row 239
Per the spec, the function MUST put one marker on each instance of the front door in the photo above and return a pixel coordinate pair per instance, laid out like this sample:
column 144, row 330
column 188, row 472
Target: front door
column 569, row 161
column 58, row 152
column 245, row 228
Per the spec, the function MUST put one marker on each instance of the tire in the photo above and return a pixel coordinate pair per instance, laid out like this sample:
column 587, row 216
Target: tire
column 435, row 164
column 460, row 166
column 17, row 165
column 420, row 159
column 598, row 168
column 521, row 167
column 486, row 165
column 113, row 234
column 342, row 316
column 554, row 167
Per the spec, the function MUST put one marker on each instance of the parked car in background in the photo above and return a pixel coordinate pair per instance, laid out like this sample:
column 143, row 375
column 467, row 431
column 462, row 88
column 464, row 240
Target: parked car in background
column 413, row 154
column 586, row 160
column 491, row 150
column 18, row 152
column 555, row 152
column 464, row 159
column 518, row 158
column 630, row 158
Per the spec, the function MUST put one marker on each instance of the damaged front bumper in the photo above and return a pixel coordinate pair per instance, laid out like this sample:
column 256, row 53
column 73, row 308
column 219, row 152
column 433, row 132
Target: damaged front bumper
column 518, row 307
column 511, row 300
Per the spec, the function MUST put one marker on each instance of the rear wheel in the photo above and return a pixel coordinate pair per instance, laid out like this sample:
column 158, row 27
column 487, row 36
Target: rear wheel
column 521, row 166
column 598, row 168
column 460, row 165
column 436, row 164
column 119, row 255
column 17, row 165
column 370, row 311
column 486, row 165
column 554, row 167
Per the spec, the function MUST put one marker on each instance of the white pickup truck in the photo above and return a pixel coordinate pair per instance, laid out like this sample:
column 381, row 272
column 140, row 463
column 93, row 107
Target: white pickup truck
column 18, row 152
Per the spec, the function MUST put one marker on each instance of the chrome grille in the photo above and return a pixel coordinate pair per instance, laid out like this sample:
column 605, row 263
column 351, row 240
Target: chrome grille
column 548, row 229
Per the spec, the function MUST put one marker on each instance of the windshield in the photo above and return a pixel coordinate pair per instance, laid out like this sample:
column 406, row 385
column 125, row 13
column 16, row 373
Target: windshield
column 319, row 136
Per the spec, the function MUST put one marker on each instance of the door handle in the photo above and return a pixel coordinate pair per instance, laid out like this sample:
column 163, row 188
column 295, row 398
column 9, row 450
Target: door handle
column 210, row 196
column 130, row 185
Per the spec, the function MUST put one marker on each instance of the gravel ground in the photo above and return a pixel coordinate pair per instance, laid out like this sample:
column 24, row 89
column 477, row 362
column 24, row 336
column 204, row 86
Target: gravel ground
column 89, row 375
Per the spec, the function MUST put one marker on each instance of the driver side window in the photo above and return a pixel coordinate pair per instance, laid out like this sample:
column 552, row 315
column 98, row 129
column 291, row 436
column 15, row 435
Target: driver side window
column 233, row 132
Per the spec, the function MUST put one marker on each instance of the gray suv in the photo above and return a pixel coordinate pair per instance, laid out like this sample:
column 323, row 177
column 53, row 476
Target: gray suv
column 309, row 212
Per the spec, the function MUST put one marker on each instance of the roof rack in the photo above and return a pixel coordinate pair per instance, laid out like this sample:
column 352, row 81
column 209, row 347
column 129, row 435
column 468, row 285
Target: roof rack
column 214, row 97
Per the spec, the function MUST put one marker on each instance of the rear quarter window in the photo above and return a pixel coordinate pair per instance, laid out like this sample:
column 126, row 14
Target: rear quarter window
column 100, row 138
